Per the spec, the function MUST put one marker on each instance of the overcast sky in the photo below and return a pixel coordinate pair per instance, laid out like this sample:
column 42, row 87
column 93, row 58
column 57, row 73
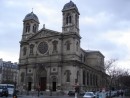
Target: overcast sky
column 104, row 25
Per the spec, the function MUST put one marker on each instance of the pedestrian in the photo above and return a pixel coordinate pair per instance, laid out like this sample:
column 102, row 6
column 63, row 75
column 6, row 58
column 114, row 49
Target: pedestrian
column 118, row 93
column 100, row 94
column 122, row 93
column 14, row 94
column 76, row 91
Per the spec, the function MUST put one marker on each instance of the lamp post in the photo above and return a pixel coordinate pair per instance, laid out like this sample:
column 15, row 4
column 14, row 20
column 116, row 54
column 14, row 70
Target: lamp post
column 111, row 82
column 14, row 93
column 38, row 88
column 50, row 90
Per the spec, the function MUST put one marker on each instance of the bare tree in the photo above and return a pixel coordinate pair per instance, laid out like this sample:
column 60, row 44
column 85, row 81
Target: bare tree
column 117, row 76
column 123, row 78
column 110, row 70
column 109, row 65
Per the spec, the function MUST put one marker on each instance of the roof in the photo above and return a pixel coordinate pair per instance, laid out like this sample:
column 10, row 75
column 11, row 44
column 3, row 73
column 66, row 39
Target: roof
column 70, row 5
column 44, row 33
column 93, row 51
column 31, row 16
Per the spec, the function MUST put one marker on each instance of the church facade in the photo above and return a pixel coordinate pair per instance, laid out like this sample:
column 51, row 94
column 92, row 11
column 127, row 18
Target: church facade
column 54, row 60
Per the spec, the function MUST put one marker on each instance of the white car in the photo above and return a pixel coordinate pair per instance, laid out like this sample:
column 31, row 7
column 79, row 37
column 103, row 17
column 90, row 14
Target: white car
column 89, row 95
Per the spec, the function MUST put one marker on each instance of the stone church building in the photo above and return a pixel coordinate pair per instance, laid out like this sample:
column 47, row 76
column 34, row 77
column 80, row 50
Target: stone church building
column 54, row 60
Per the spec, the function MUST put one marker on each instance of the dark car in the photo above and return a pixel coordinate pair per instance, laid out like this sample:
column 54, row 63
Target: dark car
column 71, row 93
column 82, row 93
column 4, row 92
column 0, row 93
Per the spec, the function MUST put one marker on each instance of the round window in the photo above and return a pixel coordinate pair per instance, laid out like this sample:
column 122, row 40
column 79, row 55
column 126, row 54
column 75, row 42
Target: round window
column 43, row 47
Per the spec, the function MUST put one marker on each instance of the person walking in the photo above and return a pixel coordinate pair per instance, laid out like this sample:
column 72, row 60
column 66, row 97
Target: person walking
column 14, row 94
column 121, row 93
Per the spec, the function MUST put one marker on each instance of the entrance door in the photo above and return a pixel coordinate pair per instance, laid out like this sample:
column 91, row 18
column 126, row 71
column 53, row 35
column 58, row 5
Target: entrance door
column 42, row 83
column 54, row 86
column 29, row 86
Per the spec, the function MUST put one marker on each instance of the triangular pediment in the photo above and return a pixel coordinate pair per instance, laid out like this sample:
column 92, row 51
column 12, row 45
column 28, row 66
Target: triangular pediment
column 44, row 33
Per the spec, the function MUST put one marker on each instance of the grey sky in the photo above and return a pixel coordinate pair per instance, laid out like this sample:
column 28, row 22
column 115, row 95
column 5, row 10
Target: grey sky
column 104, row 25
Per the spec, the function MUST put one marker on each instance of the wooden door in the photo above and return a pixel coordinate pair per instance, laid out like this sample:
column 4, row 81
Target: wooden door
column 42, row 83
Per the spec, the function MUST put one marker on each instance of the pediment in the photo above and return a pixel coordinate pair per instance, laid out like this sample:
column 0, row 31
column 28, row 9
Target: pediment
column 44, row 33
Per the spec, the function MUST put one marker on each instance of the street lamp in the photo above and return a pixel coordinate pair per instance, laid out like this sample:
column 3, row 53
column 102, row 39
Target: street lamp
column 50, row 90
column 38, row 90
column 15, row 83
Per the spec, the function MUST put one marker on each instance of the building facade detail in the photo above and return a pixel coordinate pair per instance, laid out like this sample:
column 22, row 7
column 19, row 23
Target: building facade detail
column 54, row 60
column 8, row 72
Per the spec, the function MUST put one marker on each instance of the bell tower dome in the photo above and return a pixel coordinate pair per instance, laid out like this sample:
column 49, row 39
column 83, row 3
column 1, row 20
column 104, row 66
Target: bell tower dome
column 70, row 18
column 30, row 25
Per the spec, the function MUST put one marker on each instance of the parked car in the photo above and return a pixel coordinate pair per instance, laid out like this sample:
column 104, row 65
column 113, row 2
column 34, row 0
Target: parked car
column 71, row 93
column 4, row 92
column 81, row 93
column 89, row 95
column 0, row 92
column 113, row 94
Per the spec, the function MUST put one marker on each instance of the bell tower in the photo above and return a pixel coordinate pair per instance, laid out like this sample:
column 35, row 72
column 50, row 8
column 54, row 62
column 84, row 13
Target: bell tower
column 30, row 25
column 70, row 18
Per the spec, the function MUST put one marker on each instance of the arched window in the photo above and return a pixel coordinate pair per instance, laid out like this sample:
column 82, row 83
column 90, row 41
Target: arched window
column 55, row 46
column 34, row 28
column 31, row 49
column 68, row 75
column 96, row 80
column 27, row 27
column 81, row 57
column 77, row 46
column 84, row 58
column 77, row 76
column 68, row 45
column 76, row 20
column 88, row 78
column 83, row 77
column 24, row 50
column 68, row 19
column 22, row 76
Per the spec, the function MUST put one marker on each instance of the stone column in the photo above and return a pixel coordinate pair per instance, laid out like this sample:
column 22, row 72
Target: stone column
column 59, row 77
column 34, row 84
column 48, row 78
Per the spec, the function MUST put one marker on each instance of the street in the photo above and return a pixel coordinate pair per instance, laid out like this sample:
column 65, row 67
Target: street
column 42, row 96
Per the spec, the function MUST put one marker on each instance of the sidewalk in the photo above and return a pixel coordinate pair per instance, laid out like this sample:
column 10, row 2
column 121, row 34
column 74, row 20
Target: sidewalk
column 122, row 97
